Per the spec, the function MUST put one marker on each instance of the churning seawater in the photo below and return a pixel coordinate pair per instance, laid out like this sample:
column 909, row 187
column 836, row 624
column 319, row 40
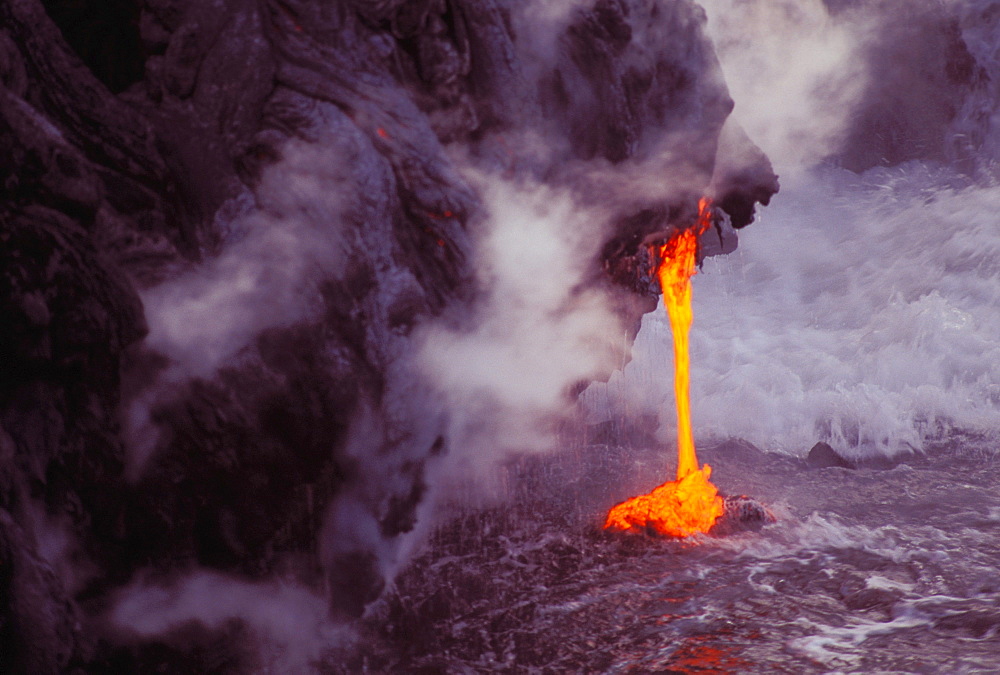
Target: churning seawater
column 870, row 570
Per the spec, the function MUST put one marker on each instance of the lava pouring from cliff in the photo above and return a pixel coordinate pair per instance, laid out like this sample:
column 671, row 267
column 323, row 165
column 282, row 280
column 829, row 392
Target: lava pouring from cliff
column 690, row 503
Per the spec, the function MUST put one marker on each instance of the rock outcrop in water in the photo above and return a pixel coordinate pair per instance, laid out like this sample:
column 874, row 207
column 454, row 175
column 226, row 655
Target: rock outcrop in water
column 136, row 134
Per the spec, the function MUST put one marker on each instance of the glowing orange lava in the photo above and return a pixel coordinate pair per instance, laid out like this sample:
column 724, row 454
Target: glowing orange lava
column 691, row 503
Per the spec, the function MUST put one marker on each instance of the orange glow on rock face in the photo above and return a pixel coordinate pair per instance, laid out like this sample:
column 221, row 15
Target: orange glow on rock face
column 691, row 503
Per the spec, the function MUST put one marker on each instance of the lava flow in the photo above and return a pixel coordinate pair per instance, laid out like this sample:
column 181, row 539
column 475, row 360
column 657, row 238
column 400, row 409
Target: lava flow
column 691, row 503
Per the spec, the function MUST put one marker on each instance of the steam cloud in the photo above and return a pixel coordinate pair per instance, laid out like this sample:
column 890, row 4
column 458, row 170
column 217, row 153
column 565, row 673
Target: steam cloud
column 288, row 626
column 266, row 273
column 537, row 331
column 795, row 74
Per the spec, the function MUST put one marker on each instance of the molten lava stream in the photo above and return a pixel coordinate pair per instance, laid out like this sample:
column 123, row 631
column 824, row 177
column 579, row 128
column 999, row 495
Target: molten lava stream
column 691, row 503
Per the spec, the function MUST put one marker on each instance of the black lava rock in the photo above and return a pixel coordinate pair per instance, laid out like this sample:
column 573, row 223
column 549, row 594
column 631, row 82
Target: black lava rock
column 822, row 456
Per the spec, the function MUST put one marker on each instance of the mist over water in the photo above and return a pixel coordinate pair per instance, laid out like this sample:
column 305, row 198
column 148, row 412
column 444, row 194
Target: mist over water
column 860, row 311
column 861, row 308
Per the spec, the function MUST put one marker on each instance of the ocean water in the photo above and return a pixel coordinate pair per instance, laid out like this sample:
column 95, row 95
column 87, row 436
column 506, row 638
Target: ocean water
column 889, row 570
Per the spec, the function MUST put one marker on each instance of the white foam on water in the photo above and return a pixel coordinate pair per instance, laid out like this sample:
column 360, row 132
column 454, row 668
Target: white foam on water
column 838, row 646
column 797, row 538
column 878, row 582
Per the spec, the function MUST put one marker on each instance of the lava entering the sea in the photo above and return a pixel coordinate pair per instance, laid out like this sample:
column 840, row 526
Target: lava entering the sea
column 691, row 503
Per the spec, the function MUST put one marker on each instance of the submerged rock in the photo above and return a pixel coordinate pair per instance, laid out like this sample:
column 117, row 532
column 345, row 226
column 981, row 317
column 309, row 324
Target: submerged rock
column 822, row 455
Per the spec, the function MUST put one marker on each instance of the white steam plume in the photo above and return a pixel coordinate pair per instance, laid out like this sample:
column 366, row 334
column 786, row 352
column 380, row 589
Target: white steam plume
column 795, row 74
column 266, row 273
column 266, row 276
column 537, row 332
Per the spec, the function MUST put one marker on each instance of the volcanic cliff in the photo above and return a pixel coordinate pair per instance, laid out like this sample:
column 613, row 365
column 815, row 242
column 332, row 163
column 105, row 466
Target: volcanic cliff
column 164, row 147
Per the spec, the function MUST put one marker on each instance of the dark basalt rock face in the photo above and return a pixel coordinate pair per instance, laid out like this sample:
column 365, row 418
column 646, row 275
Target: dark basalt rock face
column 822, row 456
column 126, row 153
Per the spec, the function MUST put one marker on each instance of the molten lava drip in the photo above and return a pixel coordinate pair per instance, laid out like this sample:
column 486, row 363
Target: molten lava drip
column 691, row 503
